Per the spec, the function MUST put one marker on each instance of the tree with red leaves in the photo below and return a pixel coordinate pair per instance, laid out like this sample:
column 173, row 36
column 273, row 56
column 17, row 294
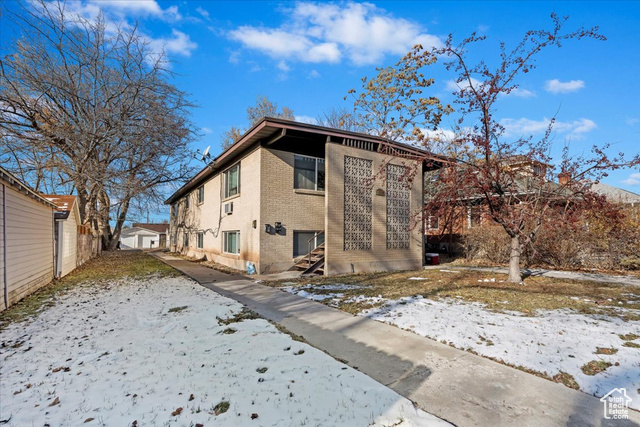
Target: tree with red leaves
column 513, row 180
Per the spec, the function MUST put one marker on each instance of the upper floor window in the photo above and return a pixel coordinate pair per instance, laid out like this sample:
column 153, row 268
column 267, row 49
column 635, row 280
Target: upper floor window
column 200, row 242
column 186, row 201
column 232, row 181
column 308, row 173
column 201, row 194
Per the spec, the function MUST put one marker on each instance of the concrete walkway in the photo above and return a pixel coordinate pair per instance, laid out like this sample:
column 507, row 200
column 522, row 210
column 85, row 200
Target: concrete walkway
column 592, row 277
column 457, row 386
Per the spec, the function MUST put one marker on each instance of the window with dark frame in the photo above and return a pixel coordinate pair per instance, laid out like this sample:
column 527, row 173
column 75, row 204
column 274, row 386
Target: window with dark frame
column 200, row 240
column 185, row 239
column 308, row 173
column 301, row 242
column 232, row 181
column 201, row 194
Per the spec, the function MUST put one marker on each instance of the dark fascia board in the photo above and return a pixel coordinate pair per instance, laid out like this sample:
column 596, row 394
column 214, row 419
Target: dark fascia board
column 249, row 138
column 24, row 188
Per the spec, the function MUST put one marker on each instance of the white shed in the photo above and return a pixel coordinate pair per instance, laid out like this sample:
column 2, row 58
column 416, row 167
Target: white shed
column 26, row 240
column 144, row 236
column 67, row 217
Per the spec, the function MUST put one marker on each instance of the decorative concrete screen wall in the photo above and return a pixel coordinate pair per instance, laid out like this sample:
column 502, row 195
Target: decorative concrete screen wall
column 373, row 212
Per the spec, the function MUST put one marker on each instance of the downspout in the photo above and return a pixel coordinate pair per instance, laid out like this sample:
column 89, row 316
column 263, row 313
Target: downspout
column 4, row 248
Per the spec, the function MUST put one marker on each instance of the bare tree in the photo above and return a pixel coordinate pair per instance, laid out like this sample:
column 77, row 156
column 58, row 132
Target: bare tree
column 263, row 108
column 86, row 102
column 339, row 118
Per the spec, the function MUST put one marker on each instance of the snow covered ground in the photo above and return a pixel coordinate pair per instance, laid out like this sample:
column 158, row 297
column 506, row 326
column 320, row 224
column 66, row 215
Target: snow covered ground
column 550, row 341
column 154, row 353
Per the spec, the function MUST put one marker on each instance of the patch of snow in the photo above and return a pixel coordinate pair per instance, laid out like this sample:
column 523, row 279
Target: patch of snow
column 119, row 353
column 418, row 278
column 551, row 341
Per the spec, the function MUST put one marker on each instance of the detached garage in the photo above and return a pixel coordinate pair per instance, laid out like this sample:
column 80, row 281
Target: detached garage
column 26, row 240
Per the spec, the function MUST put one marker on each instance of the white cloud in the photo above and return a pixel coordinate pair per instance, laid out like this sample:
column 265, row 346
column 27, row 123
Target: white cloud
column 148, row 7
column 440, row 135
column 179, row 43
column 526, row 127
column 521, row 93
column 206, row 130
column 456, row 87
column 313, row 74
column 202, row 12
column 314, row 32
column 632, row 121
column 556, row 86
column 306, row 119
column 634, row 179
column 483, row 28
column 282, row 66
column 118, row 13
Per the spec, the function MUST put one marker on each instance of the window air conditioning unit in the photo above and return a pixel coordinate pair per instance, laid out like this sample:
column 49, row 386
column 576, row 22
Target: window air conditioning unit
column 228, row 208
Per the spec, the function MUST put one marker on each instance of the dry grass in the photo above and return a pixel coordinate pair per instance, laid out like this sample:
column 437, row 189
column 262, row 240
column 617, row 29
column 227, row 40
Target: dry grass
column 538, row 293
column 108, row 267
column 595, row 367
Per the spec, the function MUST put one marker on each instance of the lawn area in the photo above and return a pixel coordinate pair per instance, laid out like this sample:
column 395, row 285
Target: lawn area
column 101, row 270
column 585, row 335
column 128, row 341
column 490, row 289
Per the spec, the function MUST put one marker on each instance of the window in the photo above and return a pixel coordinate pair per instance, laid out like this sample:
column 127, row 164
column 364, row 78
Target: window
column 434, row 222
column 185, row 239
column 308, row 173
column 301, row 242
column 173, row 211
column 201, row 194
column 186, row 202
column 231, row 242
column 200, row 240
column 474, row 216
column 232, row 181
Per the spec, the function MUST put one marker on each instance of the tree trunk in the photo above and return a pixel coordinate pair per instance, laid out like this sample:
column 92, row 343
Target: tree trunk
column 514, row 260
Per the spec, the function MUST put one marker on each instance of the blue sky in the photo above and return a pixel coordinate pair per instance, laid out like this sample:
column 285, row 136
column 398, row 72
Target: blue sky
column 306, row 56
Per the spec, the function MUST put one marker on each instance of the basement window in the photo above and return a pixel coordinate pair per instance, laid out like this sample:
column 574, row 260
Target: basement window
column 231, row 242
column 308, row 173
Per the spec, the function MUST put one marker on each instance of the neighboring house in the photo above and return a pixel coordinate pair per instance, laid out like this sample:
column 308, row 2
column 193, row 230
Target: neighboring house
column 67, row 219
column 286, row 187
column 144, row 236
column 617, row 195
column 26, row 240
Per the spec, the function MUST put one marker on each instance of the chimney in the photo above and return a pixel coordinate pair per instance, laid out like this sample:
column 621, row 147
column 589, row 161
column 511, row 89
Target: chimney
column 564, row 178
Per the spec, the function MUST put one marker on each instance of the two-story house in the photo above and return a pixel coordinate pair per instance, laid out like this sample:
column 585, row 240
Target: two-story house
column 287, row 188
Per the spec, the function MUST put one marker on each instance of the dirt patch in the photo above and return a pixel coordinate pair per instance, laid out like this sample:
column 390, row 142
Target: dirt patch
column 595, row 367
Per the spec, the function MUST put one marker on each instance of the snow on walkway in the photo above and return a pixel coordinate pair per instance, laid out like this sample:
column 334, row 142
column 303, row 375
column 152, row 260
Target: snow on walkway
column 117, row 354
column 552, row 341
